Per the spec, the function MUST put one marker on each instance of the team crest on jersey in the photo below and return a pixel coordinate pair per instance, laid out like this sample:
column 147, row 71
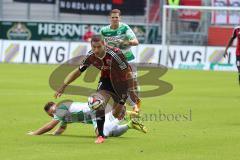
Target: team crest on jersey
column 108, row 34
column 119, row 32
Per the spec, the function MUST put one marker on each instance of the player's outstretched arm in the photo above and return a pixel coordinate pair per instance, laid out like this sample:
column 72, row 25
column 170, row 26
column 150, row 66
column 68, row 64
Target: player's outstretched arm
column 47, row 127
column 72, row 76
column 229, row 44
column 60, row 130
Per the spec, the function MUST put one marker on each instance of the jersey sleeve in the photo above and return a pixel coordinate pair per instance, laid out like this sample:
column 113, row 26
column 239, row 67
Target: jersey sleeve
column 61, row 112
column 234, row 34
column 130, row 34
column 58, row 118
column 63, row 124
column 85, row 63
column 104, row 30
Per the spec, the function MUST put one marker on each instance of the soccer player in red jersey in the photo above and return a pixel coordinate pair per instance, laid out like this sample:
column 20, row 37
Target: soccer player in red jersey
column 115, row 81
column 236, row 34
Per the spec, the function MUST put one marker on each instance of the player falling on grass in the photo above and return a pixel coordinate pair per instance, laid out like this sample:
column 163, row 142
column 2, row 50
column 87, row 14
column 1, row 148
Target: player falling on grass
column 115, row 80
column 75, row 112
column 236, row 34
column 120, row 35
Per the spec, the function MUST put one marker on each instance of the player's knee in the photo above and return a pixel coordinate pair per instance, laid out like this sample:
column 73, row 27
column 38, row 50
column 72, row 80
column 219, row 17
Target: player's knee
column 119, row 111
column 115, row 113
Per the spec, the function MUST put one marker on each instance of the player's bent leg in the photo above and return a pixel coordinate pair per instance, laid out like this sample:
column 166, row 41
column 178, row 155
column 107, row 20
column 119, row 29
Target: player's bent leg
column 239, row 75
column 112, row 128
column 100, row 121
column 136, row 124
column 131, row 114
column 100, row 114
column 119, row 110
column 133, row 94
column 105, row 95
column 119, row 130
column 238, row 67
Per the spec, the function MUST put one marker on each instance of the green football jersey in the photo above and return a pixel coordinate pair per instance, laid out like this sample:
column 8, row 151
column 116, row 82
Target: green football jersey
column 76, row 112
column 113, row 37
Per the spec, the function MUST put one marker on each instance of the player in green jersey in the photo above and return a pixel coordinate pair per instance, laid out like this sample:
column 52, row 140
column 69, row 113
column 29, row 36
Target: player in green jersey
column 120, row 35
column 73, row 112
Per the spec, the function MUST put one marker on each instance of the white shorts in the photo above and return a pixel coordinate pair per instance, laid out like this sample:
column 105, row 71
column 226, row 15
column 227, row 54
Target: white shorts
column 110, row 124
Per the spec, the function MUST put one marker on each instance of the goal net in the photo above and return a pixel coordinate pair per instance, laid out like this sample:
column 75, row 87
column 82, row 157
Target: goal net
column 185, row 26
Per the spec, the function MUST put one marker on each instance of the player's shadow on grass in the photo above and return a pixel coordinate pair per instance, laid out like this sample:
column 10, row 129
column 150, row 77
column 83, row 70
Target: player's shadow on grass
column 74, row 136
column 87, row 136
column 90, row 136
column 79, row 136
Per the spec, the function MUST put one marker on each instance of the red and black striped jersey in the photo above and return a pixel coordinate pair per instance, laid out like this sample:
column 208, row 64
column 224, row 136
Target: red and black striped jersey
column 113, row 64
column 236, row 34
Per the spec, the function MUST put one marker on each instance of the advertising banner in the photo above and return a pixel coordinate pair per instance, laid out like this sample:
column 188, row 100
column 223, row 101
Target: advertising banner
column 148, row 53
column 1, row 50
column 34, row 52
column 178, row 57
column 79, row 49
column 99, row 7
column 59, row 31
column 186, row 57
column 45, row 31
column 36, row 1
column 216, row 62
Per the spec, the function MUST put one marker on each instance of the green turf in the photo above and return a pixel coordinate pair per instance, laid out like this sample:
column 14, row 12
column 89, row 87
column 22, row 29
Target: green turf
column 212, row 133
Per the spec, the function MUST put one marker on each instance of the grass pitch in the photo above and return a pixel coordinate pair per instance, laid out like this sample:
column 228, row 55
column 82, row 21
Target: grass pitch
column 208, row 104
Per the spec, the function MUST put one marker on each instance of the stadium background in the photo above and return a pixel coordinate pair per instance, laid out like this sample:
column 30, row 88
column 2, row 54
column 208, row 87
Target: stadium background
column 51, row 32
column 60, row 26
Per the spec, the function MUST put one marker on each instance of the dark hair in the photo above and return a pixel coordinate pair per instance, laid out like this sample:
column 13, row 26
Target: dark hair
column 115, row 11
column 48, row 106
column 96, row 38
